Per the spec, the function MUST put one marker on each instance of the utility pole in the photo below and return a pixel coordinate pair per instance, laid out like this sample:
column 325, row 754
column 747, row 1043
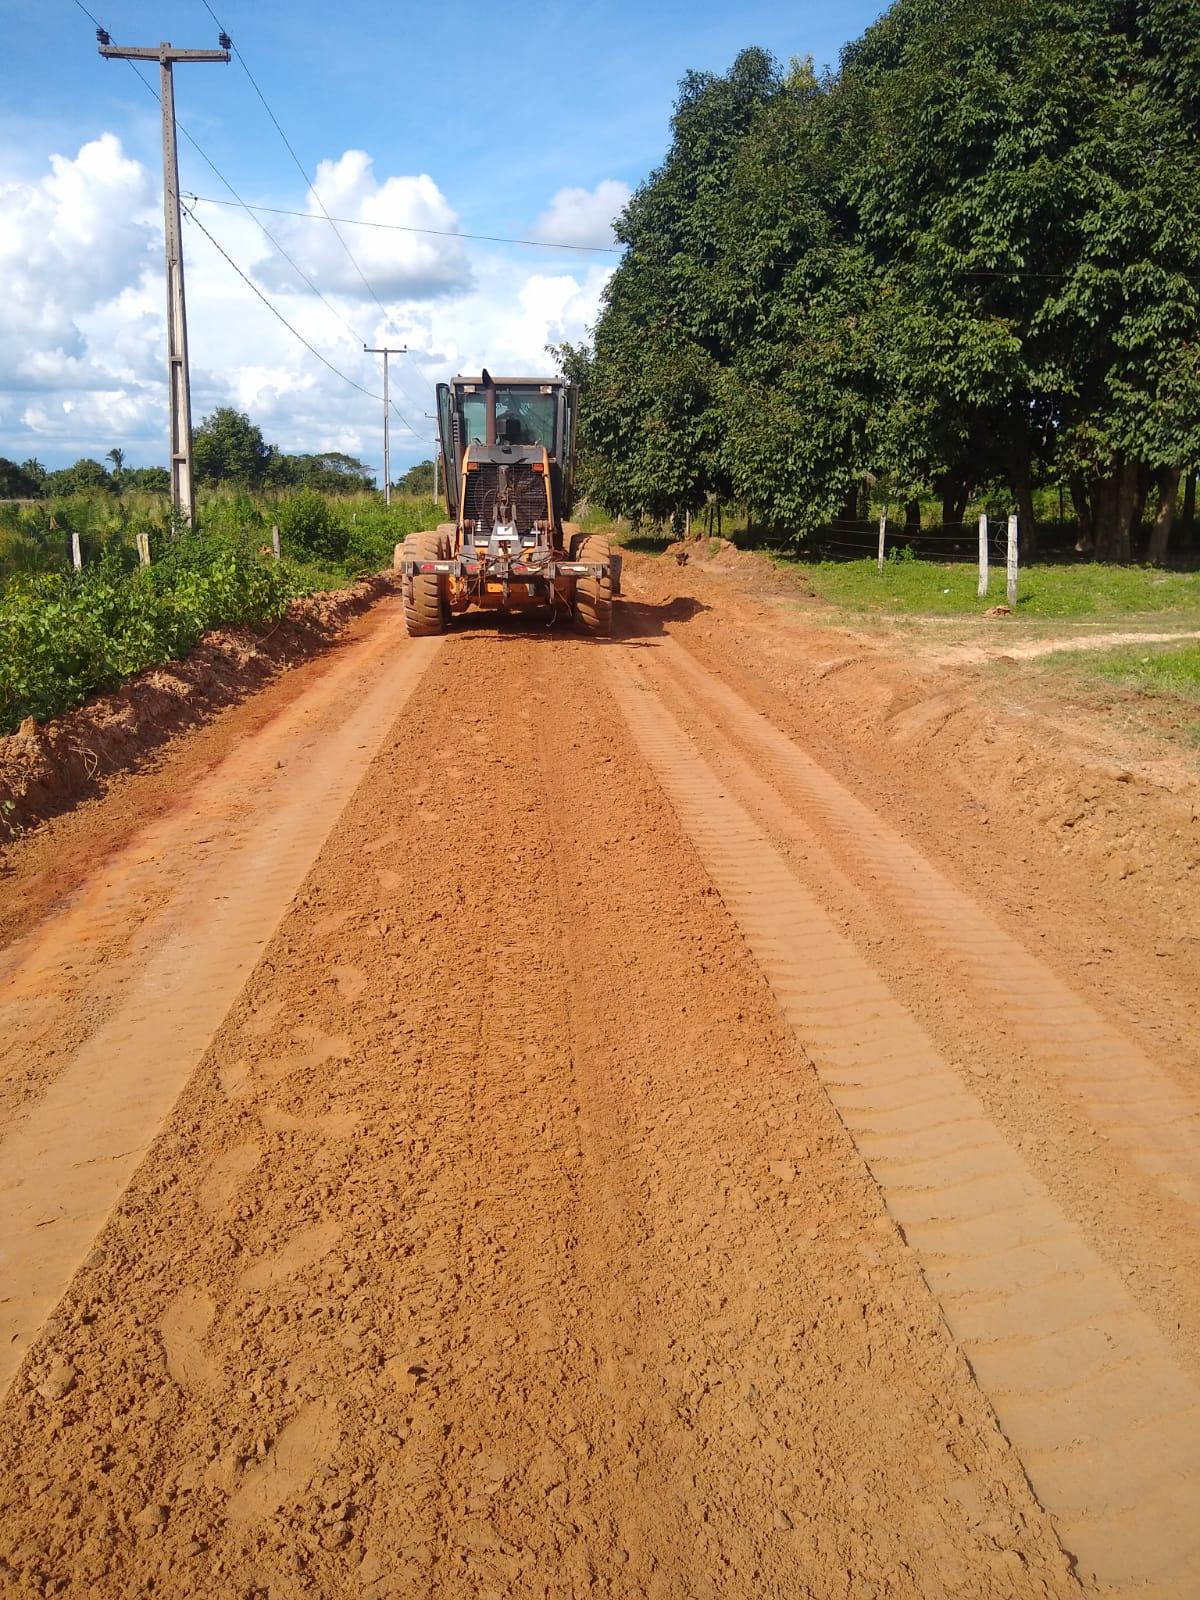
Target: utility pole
column 386, row 351
column 178, row 377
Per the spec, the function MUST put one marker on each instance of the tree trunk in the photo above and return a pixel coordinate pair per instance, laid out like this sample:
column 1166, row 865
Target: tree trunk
column 1086, row 541
column 1187, row 522
column 1022, row 487
column 956, row 492
column 849, row 512
column 1117, row 502
column 1104, row 501
column 1130, row 499
column 912, row 519
column 1168, row 494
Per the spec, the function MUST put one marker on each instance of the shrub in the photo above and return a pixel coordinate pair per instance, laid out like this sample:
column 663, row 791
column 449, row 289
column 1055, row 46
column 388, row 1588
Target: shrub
column 67, row 635
column 310, row 527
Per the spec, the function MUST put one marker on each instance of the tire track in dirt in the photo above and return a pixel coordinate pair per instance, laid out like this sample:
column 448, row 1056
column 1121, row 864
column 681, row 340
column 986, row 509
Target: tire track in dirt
column 1107, row 1072
column 1145, row 1233
column 67, row 1160
column 558, row 1274
column 1081, row 1380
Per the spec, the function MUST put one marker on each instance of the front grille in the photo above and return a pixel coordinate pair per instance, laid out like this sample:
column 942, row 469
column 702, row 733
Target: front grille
column 528, row 492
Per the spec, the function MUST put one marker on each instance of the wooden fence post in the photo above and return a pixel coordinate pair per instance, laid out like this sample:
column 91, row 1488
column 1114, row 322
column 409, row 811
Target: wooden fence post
column 983, row 556
column 882, row 536
column 1012, row 560
column 76, row 553
column 275, row 547
column 143, row 548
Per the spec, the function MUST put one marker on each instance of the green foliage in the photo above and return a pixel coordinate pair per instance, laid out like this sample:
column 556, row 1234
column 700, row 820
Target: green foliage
column 228, row 448
column 1154, row 671
column 308, row 525
column 417, row 480
column 79, row 479
column 970, row 258
column 20, row 483
column 67, row 635
column 332, row 473
column 150, row 480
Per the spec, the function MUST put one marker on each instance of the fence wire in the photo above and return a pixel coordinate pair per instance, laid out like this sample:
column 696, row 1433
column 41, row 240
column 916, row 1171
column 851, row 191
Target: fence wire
column 947, row 543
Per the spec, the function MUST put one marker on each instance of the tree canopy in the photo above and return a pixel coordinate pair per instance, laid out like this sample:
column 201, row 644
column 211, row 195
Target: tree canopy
column 968, row 258
column 417, row 480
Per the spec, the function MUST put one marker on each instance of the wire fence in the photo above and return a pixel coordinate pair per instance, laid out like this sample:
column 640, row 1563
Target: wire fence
column 859, row 541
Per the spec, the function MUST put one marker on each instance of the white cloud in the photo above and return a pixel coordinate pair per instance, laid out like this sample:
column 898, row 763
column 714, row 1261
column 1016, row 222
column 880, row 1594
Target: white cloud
column 584, row 216
column 82, row 361
column 69, row 241
column 397, row 265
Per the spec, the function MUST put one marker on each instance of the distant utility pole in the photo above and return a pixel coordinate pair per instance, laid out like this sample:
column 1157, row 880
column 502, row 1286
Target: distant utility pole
column 182, row 495
column 385, row 352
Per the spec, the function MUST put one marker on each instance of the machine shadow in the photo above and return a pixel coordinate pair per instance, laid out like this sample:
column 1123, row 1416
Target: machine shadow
column 634, row 622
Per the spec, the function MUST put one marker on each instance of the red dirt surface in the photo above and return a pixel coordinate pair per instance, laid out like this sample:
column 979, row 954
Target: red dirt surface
column 653, row 1145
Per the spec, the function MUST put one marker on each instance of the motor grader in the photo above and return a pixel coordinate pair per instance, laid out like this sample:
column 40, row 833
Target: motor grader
column 507, row 449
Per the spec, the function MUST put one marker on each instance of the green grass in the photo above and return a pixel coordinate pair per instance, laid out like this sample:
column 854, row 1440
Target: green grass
column 1077, row 589
column 1172, row 670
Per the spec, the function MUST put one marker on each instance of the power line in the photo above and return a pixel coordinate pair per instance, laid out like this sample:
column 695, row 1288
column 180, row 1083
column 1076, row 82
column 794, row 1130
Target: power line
column 441, row 233
column 275, row 312
column 294, row 331
column 237, row 199
column 311, row 188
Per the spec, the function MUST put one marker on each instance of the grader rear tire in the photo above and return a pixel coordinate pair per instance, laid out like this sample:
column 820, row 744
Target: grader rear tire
column 425, row 601
column 593, row 596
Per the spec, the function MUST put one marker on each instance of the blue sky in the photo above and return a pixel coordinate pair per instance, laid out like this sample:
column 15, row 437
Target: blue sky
column 533, row 121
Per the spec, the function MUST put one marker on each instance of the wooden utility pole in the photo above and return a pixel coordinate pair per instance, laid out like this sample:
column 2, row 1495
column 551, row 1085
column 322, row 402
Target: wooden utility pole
column 386, row 351
column 180, row 394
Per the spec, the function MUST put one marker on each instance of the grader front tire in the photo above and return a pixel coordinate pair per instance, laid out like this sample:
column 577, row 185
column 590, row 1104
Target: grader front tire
column 593, row 596
column 425, row 592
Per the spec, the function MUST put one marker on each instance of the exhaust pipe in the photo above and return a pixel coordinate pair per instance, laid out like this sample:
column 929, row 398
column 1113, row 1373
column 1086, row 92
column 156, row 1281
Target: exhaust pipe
column 489, row 409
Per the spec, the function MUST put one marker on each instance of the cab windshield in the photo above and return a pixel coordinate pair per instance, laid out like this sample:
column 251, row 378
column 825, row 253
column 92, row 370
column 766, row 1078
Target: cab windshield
column 525, row 416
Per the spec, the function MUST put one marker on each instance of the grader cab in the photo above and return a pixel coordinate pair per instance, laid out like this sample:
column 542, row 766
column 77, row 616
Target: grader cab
column 507, row 446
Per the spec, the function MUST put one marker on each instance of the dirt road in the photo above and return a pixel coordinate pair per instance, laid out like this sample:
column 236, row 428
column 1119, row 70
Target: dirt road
column 396, row 1204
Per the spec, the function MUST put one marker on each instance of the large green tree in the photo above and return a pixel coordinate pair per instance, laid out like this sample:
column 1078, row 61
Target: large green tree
column 20, row 482
column 650, row 414
column 85, row 474
column 417, row 480
column 1023, row 176
column 228, row 448
column 969, row 258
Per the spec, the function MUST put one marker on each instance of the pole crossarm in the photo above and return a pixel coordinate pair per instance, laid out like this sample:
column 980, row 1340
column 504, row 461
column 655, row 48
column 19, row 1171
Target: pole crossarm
column 162, row 52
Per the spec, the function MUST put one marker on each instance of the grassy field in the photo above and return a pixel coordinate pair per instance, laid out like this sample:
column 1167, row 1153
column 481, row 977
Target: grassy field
column 1050, row 591
column 1171, row 670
